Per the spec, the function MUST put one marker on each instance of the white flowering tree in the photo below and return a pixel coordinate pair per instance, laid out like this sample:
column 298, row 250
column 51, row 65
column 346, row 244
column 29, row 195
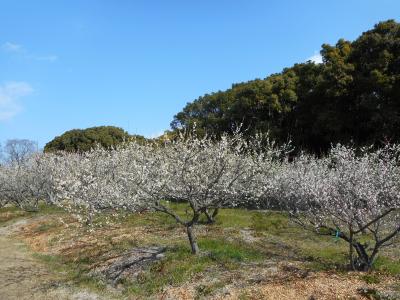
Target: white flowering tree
column 24, row 183
column 205, row 174
column 17, row 187
column 354, row 196
column 208, row 175
column 89, row 182
column 42, row 172
column 3, row 178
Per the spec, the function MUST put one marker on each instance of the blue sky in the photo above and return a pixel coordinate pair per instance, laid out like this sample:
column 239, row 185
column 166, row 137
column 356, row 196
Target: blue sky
column 134, row 64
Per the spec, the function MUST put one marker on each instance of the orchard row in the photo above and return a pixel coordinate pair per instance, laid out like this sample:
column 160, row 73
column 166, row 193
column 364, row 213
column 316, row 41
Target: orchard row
column 353, row 194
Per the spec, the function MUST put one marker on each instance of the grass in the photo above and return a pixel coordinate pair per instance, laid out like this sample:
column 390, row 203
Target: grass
column 180, row 265
column 9, row 213
column 274, row 222
column 203, row 290
column 388, row 265
column 45, row 227
column 324, row 254
column 223, row 247
column 75, row 272
column 224, row 251
column 370, row 278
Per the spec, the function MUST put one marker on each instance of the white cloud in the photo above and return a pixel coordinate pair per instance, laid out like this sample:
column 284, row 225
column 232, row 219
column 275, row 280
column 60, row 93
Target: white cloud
column 10, row 93
column 316, row 58
column 12, row 47
column 50, row 58
column 20, row 50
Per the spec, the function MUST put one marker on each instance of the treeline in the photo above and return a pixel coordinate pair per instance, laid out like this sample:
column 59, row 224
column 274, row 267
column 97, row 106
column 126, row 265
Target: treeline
column 80, row 140
column 352, row 97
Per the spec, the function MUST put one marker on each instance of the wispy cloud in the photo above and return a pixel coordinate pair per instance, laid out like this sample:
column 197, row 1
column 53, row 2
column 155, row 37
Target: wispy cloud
column 11, row 47
column 50, row 58
column 316, row 58
column 21, row 50
column 10, row 94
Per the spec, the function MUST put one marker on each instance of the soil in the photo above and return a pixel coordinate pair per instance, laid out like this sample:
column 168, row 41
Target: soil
column 22, row 276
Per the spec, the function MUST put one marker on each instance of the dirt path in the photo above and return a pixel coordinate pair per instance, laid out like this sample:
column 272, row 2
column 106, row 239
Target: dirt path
column 23, row 277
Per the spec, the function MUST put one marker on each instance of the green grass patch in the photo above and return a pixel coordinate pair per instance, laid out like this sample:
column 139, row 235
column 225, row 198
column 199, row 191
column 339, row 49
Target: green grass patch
column 223, row 251
column 73, row 271
column 48, row 209
column 51, row 260
column 370, row 278
column 234, row 218
column 179, row 265
column 149, row 219
column 45, row 227
column 324, row 254
column 387, row 265
column 11, row 212
column 226, row 218
column 9, row 209
column 273, row 222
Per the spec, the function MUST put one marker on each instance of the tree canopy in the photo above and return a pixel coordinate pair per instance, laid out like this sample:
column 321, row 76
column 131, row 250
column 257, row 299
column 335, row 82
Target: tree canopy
column 79, row 140
column 353, row 96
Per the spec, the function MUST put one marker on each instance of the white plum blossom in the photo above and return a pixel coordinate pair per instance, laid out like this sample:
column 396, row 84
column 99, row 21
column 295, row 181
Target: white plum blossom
column 348, row 194
column 202, row 172
column 351, row 193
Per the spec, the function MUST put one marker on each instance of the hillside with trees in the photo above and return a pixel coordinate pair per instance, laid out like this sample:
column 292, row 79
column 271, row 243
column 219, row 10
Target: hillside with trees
column 78, row 140
column 353, row 96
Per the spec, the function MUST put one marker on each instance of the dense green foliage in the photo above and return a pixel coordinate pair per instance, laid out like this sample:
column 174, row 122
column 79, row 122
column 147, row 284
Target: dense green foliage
column 353, row 96
column 85, row 139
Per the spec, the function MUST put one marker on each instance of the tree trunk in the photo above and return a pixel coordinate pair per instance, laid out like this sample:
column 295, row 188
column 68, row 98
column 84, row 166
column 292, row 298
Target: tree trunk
column 192, row 240
column 89, row 219
column 351, row 251
column 363, row 262
column 211, row 217
column 90, row 215
column 215, row 213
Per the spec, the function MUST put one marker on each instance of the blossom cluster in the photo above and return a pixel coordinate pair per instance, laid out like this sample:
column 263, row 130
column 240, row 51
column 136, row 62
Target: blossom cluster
column 353, row 194
column 349, row 192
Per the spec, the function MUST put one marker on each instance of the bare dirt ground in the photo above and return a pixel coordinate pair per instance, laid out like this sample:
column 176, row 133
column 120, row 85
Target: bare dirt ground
column 23, row 277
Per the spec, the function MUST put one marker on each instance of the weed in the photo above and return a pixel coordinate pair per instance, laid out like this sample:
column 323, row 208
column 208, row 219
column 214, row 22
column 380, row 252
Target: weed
column 269, row 221
column 371, row 278
column 388, row 265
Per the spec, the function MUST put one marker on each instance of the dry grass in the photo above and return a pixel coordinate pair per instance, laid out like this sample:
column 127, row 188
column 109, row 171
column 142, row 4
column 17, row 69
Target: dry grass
column 241, row 260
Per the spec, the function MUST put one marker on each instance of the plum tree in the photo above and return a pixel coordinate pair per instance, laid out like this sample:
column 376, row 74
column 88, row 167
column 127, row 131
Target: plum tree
column 354, row 196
